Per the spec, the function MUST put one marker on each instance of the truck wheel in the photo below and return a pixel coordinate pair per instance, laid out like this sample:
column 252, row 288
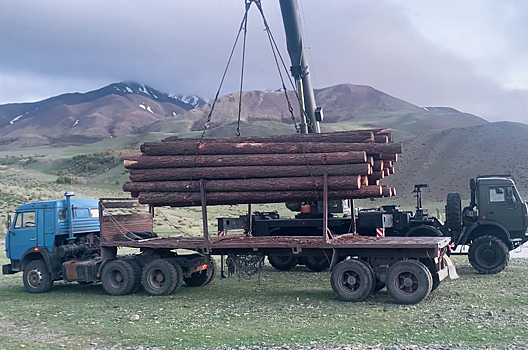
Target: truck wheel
column 488, row 255
column 316, row 263
column 352, row 280
column 377, row 285
column 200, row 278
column 282, row 262
column 161, row 277
column 118, row 277
column 409, row 282
column 212, row 276
column 137, row 271
column 37, row 278
column 453, row 212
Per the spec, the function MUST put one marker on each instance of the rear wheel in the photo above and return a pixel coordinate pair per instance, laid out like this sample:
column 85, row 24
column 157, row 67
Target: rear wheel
column 201, row 278
column 352, row 280
column 282, row 262
column 488, row 255
column 316, row 263
column 118, row 277
column 161, row 277
column 454, row 212
column 37, row 278
column 409, row 282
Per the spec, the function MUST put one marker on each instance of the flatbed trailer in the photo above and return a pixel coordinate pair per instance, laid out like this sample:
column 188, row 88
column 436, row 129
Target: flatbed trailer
column 410, row 268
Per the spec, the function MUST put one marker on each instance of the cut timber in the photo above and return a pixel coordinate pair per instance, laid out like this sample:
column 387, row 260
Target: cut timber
column 392, row 156
column 393, row 191
column 386, row 191
column 386, row 171
column 150, row 162
column 381, row 138
column 211, row 147
column 264, row 184
column 180, row 199
column 334, row 137
column 364, row 180
column 378, row 165
column 170, row 174
column 377, row 175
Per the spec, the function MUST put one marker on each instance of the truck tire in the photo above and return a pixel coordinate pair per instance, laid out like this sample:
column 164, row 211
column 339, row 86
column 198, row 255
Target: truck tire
column 118, row 277
column 213, row 271
column 137, row 271
column 282, row 262
column 352, row 280
column 37, row 278
column 488, row 255
column 316, row 263
column 377, row 285
column 409, row 282
column 161, row 277
column 200, row 278
column 454, row 212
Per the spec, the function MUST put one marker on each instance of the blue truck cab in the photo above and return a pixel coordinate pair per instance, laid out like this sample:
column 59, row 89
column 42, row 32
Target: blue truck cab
column 41, row 235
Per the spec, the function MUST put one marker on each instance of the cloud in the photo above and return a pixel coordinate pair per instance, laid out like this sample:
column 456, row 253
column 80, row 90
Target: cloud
column 182, row 47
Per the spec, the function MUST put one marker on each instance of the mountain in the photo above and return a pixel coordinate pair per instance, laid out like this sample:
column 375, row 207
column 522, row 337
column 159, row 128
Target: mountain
column 345, row 106
column 114, row 110
column 447, row 159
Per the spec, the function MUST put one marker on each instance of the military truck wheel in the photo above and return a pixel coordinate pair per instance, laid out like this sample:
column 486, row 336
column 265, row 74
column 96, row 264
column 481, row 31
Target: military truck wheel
column 37, row 278
column 352, row 280
column 316, row 263
column 161, row 277
column 282, row 262
column 453, row 211
column 118, row 277
column 137, row 271
column 200, row 278
column 488, row 255
column 409, row 282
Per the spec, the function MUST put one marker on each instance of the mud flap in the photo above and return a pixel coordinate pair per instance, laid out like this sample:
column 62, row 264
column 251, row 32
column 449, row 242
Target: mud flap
column 451, row 270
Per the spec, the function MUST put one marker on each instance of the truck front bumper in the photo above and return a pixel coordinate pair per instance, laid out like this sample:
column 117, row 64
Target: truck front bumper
column 7, row 270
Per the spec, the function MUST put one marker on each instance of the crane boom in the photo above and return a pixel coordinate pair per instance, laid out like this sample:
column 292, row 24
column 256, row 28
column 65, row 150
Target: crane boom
column 299, row 67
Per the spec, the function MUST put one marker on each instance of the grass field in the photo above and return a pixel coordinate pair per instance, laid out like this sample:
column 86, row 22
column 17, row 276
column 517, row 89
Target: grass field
column 293, row 308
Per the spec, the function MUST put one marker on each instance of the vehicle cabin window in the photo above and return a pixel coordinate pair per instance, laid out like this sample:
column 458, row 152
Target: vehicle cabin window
column 81, row 213
column 24, row 220
column 63, row 214
column 497, row 194
column 94, row 213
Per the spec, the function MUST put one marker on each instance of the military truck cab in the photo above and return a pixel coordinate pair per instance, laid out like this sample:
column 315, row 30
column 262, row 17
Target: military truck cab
column 40, row 235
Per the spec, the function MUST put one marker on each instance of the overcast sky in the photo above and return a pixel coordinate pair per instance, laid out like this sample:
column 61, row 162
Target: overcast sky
column 468, row 54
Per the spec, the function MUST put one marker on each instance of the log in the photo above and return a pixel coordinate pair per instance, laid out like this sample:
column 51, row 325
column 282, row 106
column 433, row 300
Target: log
column 392, row 156
column 211, row 147
column 216, row 173
column 364, row 180
column 150, row 162
column 184, row 199
column 241, row 185
column 378, row 175
column 351, row 136
column 391, row 170
column 393, row 189
column 381, row 138
column 370, row 160
column 378, row 165
column 386, row 171
column 386, row 191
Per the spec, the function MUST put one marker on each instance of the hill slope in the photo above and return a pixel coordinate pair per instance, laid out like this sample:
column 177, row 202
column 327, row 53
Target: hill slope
column 345, row 106
column 446, row 160
column 115, row 110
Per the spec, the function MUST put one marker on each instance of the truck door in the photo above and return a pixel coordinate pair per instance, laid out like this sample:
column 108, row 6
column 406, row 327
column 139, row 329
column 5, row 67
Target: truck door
column 23, row 234
column 505, row 207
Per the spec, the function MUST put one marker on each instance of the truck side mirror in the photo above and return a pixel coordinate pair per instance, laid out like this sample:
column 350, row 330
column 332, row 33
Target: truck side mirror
column 8, row 222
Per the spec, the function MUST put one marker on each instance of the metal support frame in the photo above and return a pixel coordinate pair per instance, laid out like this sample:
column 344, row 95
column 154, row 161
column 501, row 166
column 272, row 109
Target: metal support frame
column 250, row 220
column 325, row 207
column 207, row 239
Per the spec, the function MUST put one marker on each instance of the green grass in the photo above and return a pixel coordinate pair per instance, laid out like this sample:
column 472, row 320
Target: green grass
column 293, row 308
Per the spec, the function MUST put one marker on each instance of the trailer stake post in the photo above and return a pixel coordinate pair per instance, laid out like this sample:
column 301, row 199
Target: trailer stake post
column 204, row 212
column 325, row 206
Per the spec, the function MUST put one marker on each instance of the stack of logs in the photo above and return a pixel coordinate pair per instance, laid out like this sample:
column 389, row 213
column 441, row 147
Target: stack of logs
column 274, row 169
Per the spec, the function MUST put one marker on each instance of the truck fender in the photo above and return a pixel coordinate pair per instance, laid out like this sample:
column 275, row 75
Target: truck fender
column 482, row 224
column 31, row 254
column 430, row 231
